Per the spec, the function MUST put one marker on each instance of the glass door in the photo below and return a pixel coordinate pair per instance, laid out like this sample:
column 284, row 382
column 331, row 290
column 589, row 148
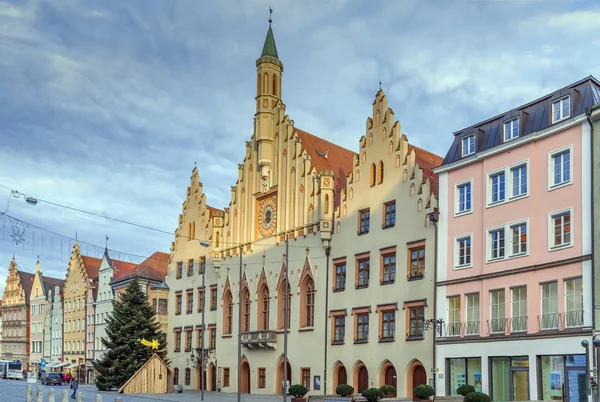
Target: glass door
column 520, row 384
column 576, row 385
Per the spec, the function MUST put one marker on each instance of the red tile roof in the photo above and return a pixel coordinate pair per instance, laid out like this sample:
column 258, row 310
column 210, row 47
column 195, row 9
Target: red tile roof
column 213, row 211
column 327, row 155
column 154, row 267
column 92, row 266
column 122, row 268
column 427, row 161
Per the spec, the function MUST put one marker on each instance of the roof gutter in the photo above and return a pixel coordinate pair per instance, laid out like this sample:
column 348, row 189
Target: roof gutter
column 588, row 114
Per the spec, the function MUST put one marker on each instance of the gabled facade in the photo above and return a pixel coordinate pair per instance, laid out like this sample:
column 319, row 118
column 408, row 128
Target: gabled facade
column 382, row 274
column 56, row 354
column 515, row 248
column 47, row 350
column 91, row 296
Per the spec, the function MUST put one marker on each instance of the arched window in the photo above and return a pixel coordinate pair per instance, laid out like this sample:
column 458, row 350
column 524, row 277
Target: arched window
column 397, row 160
column 265, row 88
column 176, row 376
column 227, row 313
column 390, row 147
column 364, row 157
column 357, row 175
column 281, row 306
column 308, row 301
column 351, row 193
column 246, row 306
column 412, row 189
column 217, row 236
column 189, row 231
column 370, row 138
column 380, row 173
column 383, row 133
column 419, row 205
column 258, row 84
column 326, row 206
column 188, row 376
column 275, row 84
column 264, row 306
column 373, row 174
column 193, row 230
column 404, row 175
column 377, row 121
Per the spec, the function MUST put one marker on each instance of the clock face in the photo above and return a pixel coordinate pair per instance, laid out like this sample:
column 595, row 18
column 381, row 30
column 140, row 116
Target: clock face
column 267, row 216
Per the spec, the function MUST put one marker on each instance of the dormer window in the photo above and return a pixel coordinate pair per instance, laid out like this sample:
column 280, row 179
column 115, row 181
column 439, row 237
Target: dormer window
column 511, row 129
column 561, row 109
column 468, row 145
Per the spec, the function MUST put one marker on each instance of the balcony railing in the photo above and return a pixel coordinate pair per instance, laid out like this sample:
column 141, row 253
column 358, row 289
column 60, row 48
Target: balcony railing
column 472, row 328
column 549, row 321
column 453, row 329
column 573, row 318
column 497, row 325
column 518, row 324
column 259, row 340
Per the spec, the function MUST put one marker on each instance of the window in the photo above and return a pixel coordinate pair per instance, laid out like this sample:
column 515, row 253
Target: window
column 189, row 301
column 472, row 314
column 190, row 271
column 497, row 183
column 213, row 298
column 200, row 299
column 281, row 306
column 178, row 303
column 389, row 214
column 463, row 371
column 519, row 179
column 364, row 221
column 380, row 173
column 416, row 321
column 225, row 377
column 179, row 272
column 373, row 169
column 309, row 303
column 388, row 267
column 509, row 378
column 463, row 252
column 463, row 198
column 199, row 334
column 560, row 168
column 574, row 302
column 362, row 272
column 228, row 313
column 339, row 328
column 262, row 377
column 212, row 337
column 497, row 321
column 511, row 129
column 388, row 324
column 163, row 305
column 188, row 339
column 176, row 376
column 305, row 373
column 188, row 376
column 416, row 254
column 519, row 239
column 468, row 145
column 560, row 229
column 202, row 265
column 519, row 309
column 340, row 275
column 497, row 246
column 177, row 340
column 561, row 109
column 362, row 327
column 264, row 305
column 560, row 377
column 246, row 312
column 453, row 328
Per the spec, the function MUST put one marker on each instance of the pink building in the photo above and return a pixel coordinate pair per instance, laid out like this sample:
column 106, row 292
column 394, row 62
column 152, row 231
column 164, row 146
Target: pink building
column 90, row 314
column 514, row 280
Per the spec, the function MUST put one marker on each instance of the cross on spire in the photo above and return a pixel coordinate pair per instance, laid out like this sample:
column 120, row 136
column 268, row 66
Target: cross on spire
column 380, row 85
column 270, row 15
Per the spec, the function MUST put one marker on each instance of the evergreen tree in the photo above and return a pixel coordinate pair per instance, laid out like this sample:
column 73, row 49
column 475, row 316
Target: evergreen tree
column 132, row 319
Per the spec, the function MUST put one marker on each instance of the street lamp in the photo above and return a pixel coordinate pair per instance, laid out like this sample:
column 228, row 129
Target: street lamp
column 202, row 381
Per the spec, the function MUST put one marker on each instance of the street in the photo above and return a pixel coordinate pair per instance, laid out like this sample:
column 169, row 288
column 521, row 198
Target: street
column 14, row 391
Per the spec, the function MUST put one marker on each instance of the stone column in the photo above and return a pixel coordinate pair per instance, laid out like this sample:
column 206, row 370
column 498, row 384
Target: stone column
column 51, row 395
column 28, row 394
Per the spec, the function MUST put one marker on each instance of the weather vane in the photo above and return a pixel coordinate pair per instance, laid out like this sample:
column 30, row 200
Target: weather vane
column 270, row 14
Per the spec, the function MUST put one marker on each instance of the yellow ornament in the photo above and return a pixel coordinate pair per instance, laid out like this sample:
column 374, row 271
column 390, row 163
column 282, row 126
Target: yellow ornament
column 153, row 343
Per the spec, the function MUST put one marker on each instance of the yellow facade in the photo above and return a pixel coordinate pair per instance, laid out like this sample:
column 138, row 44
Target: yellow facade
column 293, row 185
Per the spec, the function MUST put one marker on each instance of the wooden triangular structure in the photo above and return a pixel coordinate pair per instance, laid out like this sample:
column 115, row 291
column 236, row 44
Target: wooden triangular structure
column 154, row 377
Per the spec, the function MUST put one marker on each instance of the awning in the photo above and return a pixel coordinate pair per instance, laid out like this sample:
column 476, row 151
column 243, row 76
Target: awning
column 50, row 365
column 59, row 364
column 74, row 365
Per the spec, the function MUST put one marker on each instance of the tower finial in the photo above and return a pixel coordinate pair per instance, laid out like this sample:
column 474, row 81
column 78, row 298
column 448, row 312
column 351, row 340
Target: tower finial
column 380, row 85
column 270, row 15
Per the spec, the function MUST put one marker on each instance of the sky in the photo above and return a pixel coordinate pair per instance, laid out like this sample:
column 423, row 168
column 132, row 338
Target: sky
column 106, row 105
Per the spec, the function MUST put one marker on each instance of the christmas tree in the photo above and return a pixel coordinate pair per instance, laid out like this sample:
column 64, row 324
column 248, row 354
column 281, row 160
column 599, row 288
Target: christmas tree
column 132, row 320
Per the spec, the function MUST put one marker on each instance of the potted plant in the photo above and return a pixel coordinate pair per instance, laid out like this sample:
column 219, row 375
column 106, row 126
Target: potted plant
column 465, row 389
column 298, row 391
column 477, row 397
column 423, row 392
column 372, row 394
column 388, row 391
column 344, row 390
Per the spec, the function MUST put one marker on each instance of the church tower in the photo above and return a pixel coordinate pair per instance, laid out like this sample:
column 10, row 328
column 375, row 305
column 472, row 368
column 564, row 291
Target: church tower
column 268, row 94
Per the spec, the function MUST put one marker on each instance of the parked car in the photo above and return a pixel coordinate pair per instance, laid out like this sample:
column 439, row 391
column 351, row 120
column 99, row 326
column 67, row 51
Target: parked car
column 51, row 379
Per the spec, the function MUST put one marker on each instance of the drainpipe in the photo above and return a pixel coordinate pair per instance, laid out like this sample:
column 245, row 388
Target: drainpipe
column 595, row 390
column 327, row 253
column 434, row 218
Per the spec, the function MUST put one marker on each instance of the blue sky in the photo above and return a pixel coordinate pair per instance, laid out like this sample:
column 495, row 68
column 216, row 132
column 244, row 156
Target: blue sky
column 106, row 105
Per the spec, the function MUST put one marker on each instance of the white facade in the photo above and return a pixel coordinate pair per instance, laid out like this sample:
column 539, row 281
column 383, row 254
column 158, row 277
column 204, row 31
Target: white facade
column 57, row 326
column 47, row 354
column 103, row 305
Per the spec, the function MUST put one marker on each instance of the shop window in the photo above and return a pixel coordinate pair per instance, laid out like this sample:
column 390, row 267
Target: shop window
column 463, row 371
column 562, row 378
column 510, row 378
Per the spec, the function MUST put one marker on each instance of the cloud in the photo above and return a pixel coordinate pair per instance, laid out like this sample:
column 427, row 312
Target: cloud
column 106, row 105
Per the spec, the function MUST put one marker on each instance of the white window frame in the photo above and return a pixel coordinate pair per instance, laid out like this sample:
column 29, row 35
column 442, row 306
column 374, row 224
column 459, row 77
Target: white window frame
column 457, row 251
column 448, row 310
column 503, row 310
column 457, row 187
column 462, row 145
column 542, row 304
column 560, row 102
column 511, row 123
column 551, row 155
column 509, row 194
column 567, row 310
column 518, row 303
column 508, row 241
column 551, row 247
column 469, row 305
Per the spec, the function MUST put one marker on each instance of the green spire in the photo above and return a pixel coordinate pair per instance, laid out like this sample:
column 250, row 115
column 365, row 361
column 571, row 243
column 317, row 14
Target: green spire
column 269, row 49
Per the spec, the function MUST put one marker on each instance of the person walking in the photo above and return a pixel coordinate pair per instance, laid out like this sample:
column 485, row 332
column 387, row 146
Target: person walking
column 74, row 385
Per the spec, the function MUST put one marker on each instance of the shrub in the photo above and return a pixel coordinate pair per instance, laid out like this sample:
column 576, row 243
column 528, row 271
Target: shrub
column 477, row 397
column 372, row 394
column 423, row 391
column 298, row 391
column 388, row 390
column 465, row 389
column 344, row 390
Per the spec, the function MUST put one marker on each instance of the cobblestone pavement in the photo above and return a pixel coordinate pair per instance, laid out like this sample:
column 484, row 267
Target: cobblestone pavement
column 14, row 391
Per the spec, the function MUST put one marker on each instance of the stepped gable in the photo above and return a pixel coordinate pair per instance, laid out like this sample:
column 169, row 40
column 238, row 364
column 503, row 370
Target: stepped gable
column 327, row 155
column 427, row 161
column 27, row 283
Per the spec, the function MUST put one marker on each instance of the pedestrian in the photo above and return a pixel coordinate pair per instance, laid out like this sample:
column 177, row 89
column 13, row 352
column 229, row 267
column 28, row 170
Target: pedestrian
column 74, row 385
